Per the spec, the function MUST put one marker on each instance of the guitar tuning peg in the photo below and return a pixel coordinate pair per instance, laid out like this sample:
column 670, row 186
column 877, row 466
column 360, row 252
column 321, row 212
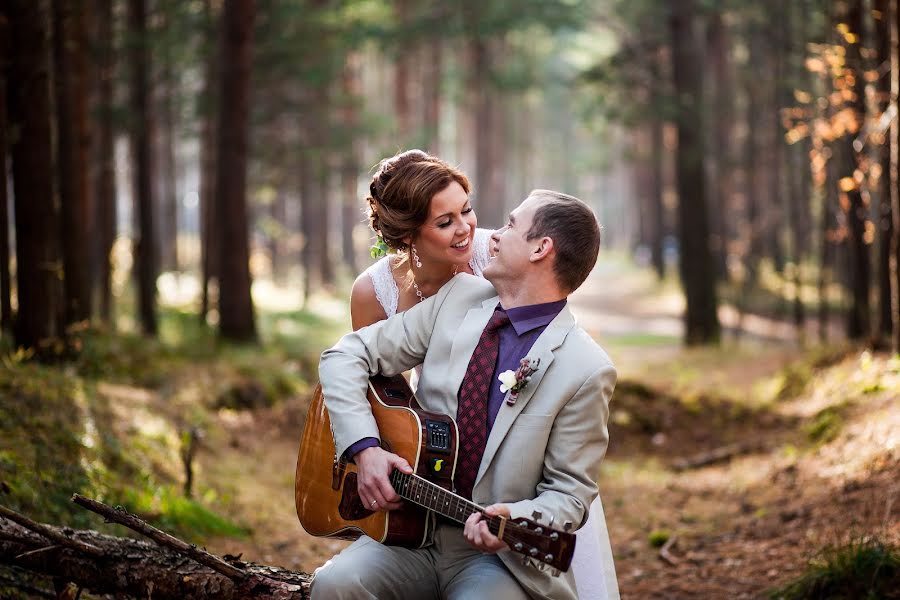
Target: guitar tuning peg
column 536, row 515
column 567, row 525
column 555, row 572
column 550, row 522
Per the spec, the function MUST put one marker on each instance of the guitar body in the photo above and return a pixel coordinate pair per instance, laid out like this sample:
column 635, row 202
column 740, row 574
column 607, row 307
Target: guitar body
column 325, row 490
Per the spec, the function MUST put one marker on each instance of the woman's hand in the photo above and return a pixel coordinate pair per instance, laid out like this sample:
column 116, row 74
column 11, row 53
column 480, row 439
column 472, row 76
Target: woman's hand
column 477, row 533
column 375, row 466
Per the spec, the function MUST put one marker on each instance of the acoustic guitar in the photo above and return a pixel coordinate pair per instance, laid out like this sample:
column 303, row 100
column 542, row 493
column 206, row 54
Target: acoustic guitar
column 328, row 502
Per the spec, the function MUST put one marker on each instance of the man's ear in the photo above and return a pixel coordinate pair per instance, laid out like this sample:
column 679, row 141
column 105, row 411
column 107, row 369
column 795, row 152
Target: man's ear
column 543, row 249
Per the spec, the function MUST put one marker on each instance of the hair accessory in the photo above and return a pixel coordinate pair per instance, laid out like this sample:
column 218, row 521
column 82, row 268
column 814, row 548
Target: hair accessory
column 379, row 249
column 415, row 256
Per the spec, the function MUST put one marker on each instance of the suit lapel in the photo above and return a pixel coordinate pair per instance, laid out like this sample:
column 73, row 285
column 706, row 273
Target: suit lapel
column 464, row 342
column 551, row 339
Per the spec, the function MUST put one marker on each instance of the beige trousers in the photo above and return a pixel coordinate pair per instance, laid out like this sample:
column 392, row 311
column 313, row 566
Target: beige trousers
column 449, row 569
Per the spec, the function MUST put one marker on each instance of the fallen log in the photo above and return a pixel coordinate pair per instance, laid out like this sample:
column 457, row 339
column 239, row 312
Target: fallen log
column 139, row 569
column 716, row 455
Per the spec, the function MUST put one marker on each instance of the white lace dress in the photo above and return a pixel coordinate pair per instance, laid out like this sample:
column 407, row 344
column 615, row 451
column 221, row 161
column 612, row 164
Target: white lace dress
column 592, row 564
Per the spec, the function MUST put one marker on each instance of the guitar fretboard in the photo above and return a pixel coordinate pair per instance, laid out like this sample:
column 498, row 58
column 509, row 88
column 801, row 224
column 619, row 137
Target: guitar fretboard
column 433, row 497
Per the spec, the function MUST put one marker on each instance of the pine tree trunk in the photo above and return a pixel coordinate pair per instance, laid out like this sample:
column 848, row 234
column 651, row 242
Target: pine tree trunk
column 895, row 175
column 105, row 181
column 434, row 75
column 235, row 304
column 37, row 222
column 70, row 74
column 5, row 291
column 168, row 185
column 209, row 247
column 720, row 98
column 858, row 320
column 351, row 205
column 402, row 75
column 882, row 216
column 698, row 279
column 142, row 134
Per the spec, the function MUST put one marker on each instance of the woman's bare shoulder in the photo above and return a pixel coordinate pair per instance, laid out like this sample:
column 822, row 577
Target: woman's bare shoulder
column 365, row 309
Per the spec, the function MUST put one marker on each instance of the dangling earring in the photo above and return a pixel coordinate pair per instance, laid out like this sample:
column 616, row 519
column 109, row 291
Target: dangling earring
column 415, row 256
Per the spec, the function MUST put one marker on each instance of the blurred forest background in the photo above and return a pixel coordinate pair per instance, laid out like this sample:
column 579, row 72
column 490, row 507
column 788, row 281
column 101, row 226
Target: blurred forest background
column 181, row 215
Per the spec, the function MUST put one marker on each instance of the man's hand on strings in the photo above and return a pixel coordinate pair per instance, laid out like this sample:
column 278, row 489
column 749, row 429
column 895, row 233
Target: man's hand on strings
column 374, row 466
column 477, row 533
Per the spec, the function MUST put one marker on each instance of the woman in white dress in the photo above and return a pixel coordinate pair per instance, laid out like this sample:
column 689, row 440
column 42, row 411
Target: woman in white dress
column 429, row 233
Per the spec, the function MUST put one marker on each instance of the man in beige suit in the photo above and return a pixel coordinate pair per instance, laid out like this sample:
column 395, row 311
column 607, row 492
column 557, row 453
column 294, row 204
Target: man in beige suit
column 540, row 453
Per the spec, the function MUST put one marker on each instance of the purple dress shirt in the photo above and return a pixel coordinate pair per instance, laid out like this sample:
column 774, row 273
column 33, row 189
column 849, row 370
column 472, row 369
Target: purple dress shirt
column 526, row 323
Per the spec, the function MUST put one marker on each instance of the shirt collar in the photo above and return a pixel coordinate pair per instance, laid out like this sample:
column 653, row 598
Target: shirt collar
column 527, row 318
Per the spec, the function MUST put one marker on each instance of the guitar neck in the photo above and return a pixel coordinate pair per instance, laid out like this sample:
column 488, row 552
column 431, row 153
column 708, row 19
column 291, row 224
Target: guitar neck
column 444, row 502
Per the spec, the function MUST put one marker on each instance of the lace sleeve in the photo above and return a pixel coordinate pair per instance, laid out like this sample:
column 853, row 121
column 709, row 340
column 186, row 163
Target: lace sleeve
column 481, row 253
column 386, row 291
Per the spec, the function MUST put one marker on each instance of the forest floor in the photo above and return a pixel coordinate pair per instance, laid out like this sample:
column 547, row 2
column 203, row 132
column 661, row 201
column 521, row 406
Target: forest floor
column 813, row 438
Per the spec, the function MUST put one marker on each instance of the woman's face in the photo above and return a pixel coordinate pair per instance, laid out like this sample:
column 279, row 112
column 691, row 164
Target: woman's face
column 446, row 236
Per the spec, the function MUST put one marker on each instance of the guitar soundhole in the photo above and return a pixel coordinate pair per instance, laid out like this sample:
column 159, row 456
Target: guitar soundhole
column 351, row 507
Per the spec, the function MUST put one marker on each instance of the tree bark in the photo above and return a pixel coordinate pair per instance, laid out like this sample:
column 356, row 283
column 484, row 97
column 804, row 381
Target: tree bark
column 235, row 304
column 858, row 318
column 697, row 276
column 5, row 291
column 70, row 79
column 717, row 157
column 168, row 180
column 105, row 181
column 145, row 253
column 37, row 221
column 882, row 213
column 434, row 75
column 139, row 569
column 895, row 175
column 209, row 247
column 351, row 213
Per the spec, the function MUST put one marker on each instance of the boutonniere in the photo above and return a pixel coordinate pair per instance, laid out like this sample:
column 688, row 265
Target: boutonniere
column 515, row 381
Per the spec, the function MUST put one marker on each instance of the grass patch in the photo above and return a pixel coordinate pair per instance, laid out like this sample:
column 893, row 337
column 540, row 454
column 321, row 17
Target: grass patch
column 658, row 537
column 826, row 425
column 863, row 569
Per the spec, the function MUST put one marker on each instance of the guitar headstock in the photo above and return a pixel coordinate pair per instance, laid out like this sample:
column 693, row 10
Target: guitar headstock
column 541, row 545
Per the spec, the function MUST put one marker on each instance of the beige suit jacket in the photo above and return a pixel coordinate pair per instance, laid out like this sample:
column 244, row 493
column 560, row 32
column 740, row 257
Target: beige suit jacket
column 543, row 453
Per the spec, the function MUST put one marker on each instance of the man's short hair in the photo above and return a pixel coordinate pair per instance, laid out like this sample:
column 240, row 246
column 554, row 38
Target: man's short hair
column 572, row 226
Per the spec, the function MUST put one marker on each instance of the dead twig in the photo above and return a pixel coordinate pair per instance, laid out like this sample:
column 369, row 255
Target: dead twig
column 720, row 454
column 123, row 517
column 666, row 555
column 49, row 533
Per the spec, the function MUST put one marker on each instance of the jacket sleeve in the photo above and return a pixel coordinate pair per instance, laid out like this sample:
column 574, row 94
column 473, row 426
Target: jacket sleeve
column 387, row 347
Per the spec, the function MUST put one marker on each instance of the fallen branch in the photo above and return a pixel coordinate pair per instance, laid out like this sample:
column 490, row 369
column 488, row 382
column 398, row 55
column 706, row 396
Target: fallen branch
column 60, row 538
column 666, row 555
column 139, row 569
column 720, row 454
column 123, row 517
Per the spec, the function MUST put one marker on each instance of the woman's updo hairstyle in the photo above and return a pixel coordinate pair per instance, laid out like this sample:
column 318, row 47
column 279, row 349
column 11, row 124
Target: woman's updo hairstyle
column 401, row 193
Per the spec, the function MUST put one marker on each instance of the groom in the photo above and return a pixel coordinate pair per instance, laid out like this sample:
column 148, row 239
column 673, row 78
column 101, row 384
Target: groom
column 539, row 453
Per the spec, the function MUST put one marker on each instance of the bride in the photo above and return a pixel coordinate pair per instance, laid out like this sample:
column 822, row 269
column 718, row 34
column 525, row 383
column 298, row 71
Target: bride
column 427, row 233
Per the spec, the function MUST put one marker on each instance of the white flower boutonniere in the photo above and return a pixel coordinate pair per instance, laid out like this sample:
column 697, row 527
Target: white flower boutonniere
column 515, row 381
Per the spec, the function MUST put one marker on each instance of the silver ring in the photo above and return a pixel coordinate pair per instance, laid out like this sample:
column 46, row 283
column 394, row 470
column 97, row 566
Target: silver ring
column 374, row 502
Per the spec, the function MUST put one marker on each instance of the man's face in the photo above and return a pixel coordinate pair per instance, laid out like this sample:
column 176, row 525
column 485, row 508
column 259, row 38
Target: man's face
column 509, row 247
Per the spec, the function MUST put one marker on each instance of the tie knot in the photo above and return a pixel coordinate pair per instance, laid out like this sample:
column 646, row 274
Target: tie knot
column 498, row 320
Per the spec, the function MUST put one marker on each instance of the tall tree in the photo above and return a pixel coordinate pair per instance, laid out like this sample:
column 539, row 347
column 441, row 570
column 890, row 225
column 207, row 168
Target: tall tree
column 70, row 78
column 697, row 276
column 235, row 304
column 894, row 19
column 105, row 172
column 209, row 246
column 37, row 221
column 142, row 131
column 858, row 317
column 5, row 291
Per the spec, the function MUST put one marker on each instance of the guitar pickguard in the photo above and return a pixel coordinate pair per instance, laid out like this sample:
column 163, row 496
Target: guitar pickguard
column 351, row 507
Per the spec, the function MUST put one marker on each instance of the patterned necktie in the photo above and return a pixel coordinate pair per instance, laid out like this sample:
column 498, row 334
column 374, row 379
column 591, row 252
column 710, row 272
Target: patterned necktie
column 471, row 412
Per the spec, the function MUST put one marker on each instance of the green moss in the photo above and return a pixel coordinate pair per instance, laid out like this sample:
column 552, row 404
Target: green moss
column 864, row 569
column 658, row 537
column 826, row 425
